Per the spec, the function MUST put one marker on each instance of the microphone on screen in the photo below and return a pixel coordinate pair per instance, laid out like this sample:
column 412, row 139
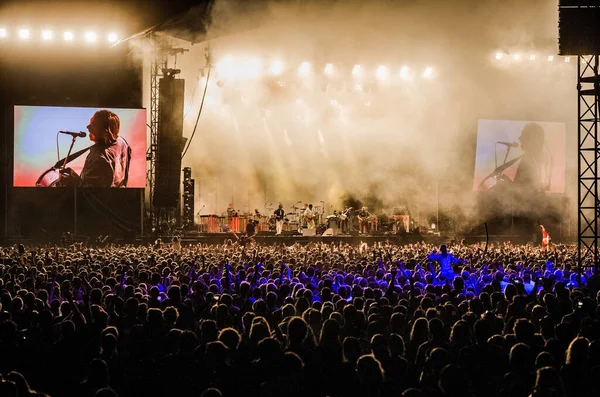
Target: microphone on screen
column 79, row 134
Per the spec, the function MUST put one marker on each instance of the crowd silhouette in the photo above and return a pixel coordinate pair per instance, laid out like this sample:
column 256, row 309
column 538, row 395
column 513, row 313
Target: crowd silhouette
column 303, row 320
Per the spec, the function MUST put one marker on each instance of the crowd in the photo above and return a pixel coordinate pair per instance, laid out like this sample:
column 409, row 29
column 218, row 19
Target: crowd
column 301, row 320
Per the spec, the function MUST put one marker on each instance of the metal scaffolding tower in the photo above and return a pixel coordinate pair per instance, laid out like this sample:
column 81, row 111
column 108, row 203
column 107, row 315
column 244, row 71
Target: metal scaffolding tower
column 588, row 88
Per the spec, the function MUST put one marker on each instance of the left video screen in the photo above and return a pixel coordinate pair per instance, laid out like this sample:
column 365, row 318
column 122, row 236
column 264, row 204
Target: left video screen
column 79, row 147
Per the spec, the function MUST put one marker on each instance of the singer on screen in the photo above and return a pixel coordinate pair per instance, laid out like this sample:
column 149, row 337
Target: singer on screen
column 107, row 164
column 534, row 168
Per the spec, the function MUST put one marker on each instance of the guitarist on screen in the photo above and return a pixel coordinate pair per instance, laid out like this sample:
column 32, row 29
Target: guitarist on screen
column 107, row 164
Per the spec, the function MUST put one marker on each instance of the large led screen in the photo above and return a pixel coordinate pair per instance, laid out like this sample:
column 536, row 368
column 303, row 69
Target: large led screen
column 529, row 155
column 115, row 140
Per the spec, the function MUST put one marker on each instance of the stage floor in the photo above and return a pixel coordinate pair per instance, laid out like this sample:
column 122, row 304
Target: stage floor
column 290, row 239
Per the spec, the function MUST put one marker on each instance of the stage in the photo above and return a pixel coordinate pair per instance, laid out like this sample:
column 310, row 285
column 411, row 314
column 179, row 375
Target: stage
column 269, row 238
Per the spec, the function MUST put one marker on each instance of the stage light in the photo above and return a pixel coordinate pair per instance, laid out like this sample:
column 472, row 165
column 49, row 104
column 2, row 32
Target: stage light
column 532, row 57
column 550, row 58
column 356, row 72
column 276, row 68
column 329, row 69
column 304, row 69
column 225, row 68
column 428, row 73
column 68, row 36
column 567, row 59
column 404, row 72
column 24, row 34
column 47, row 35
column 499, row 56
column 113, row 38
column 3, row 32
column 382, row 72
column 359, row 87
column 90, row 37
column 516, row 57
column 368, row 104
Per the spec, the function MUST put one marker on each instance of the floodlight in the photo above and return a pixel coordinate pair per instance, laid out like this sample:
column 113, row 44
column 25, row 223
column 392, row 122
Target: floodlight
column 382, row 72
column 428, row 73
column 304, row 69
column 329, row 69
column 550, row 58
column 3, row 32
column 567, row 59
column 356, row 72
column 90, row 37
column 499, row 56
column 68, row 36
column 404, row 72
column 532, row 57
column 516, row 57
column 47, row 35
column 113, row 38
column 276, row 68
column 24, row 34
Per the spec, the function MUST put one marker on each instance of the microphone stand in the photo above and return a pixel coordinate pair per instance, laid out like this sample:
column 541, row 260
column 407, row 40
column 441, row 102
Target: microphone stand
column 69, row 153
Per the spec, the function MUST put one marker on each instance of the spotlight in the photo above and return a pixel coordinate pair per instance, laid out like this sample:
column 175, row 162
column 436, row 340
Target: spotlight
column 428, row 73
column 68, row 36
column 113, row 38
column 499, row 56
column 516, row 57
column 90, row 37
column 382, row 72
column 356, row 72
column 532, row 57
column 24, row 34
column 404, row 72
column 3, row 32
column 304, row 69
column 567, row 59
column 368, row 104
column 550, row 58
column 225, row 68
column 359, row 87
column 47, row 35
column 276, row 68
column 329, row 69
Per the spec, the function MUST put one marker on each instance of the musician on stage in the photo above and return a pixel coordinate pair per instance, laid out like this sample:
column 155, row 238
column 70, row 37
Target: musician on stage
column 363, row 220
column 107, row 164
column 279, row 216
column 309, row 217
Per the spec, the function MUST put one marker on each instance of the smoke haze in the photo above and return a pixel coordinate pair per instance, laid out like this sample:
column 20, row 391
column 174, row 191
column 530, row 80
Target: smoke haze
column 264, row 138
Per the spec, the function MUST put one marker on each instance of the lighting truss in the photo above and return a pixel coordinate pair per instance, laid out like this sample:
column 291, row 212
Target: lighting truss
column 588, row 88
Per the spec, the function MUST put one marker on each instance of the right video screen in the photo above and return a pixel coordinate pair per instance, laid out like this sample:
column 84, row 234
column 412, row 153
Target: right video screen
column 521, row 154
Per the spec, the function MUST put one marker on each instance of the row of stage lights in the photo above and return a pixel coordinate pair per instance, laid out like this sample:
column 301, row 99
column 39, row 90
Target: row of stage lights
column 253, row 68
column 518, row 57
column 25, row 34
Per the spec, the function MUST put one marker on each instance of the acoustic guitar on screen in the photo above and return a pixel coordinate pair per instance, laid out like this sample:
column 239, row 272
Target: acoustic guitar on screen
column 59, row 175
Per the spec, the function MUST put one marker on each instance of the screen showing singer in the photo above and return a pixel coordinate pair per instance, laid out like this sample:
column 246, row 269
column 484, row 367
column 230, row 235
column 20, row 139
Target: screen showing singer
column 108, row 147
column 522, row 155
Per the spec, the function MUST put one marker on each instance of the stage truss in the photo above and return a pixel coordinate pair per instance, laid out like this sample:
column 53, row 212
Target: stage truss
column 588, row 88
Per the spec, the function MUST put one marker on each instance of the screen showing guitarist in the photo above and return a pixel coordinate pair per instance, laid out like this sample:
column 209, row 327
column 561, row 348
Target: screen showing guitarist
column 363, row 220
column 309, row 217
